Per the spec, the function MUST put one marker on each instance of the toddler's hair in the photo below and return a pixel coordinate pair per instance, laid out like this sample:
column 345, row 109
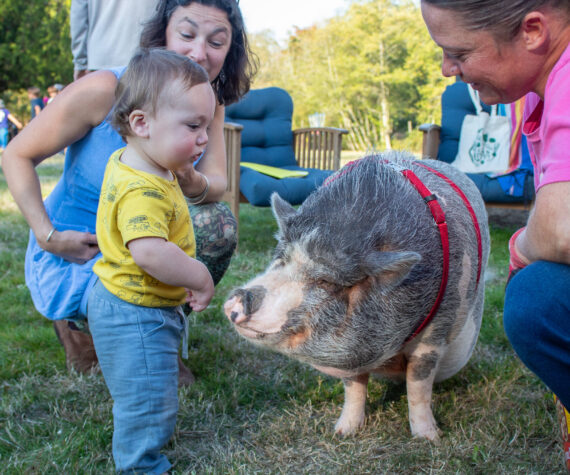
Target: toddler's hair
column 149, row 73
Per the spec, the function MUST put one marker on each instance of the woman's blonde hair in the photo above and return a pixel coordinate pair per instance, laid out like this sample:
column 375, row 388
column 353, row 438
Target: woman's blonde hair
column 149, row 72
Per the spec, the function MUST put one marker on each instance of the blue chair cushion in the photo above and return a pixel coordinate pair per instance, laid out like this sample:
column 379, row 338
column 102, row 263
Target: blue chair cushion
column 257, row 187
column 455, row 104
column 267, row 138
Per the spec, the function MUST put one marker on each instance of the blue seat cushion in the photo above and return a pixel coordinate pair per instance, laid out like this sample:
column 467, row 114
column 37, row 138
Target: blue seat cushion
column 267, row 138
column 455, row 104
column 257, row 187
column 493, row 192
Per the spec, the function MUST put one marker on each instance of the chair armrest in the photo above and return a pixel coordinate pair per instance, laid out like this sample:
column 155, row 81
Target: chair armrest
column 232, row 138
column 318, row 147
column 430, row 142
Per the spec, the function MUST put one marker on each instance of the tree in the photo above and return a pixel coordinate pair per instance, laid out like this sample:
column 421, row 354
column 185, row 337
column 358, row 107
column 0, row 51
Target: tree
column 34, row 43
column 374, row 70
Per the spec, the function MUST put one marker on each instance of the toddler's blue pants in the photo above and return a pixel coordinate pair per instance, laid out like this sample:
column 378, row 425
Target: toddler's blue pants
column 137, row 349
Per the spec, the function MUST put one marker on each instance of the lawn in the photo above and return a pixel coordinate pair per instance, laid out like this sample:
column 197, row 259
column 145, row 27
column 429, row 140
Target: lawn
column 253, row 411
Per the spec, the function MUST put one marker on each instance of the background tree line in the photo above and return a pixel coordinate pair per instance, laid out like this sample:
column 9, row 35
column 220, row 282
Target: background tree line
column 374, row 70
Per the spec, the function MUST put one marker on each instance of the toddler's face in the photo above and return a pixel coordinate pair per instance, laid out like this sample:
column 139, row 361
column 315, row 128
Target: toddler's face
column 178, row 132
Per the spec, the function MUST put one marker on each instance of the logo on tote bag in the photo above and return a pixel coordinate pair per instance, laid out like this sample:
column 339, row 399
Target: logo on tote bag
column 485, row 149
column 484, row 143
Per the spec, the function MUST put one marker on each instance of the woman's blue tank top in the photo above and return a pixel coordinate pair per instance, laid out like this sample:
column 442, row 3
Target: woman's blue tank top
column 56, row 285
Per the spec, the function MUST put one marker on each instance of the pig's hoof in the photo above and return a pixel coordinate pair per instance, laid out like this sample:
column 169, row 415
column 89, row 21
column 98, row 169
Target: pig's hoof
column 429, row 433
column 348, row 426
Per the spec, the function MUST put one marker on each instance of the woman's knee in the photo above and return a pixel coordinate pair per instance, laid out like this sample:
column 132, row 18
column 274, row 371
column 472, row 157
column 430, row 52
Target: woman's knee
column 533, row 297
column 522, row 308
column 215, row 230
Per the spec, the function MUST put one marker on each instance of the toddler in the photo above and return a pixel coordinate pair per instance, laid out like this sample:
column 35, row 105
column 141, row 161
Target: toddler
column 164, row 104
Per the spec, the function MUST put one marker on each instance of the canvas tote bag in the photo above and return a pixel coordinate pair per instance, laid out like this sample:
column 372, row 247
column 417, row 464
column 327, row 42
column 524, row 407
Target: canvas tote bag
column 484, row 143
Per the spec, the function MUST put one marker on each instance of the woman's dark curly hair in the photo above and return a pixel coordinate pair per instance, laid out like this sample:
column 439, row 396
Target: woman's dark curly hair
column 235, row 77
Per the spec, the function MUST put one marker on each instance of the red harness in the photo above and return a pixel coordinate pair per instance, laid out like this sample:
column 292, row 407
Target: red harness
column 439, row 218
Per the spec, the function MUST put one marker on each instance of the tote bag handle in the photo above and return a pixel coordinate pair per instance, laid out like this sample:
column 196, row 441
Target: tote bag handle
column 477, row 101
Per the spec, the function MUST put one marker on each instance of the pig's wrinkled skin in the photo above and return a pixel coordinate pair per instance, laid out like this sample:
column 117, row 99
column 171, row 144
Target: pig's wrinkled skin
column 357, row 268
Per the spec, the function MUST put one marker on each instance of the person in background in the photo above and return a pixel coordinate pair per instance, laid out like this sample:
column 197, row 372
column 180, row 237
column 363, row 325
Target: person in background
column 63, row 245
column 164, row 105
column 36, row 102
column 105, row 33
column 522, row 49
column 53, row 91
column 5, row 119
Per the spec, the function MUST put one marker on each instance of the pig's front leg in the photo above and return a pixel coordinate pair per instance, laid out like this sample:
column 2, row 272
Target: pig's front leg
column 420, row 375
column 352, row 416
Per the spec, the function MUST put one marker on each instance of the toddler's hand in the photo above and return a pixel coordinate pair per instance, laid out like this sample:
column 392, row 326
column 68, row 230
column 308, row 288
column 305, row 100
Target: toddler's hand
column 199, row 299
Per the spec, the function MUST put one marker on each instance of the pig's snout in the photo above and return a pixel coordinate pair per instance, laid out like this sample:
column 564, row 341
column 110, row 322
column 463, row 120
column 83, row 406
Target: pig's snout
column 234, row 310
column 243, row 303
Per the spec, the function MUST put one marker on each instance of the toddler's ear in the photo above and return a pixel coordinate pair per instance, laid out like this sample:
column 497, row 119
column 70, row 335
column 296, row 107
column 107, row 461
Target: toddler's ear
column 138, row 123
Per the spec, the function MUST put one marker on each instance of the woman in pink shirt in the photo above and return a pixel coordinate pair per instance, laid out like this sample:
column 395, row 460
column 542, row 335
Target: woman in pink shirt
column 522, row 48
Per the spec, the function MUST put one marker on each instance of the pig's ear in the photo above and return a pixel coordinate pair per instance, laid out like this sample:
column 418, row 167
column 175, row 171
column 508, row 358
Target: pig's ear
column 391, row 268
column 281, row 210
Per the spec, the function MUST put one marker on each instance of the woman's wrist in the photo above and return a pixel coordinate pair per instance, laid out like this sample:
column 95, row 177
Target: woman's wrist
column 50, row 234
column 199, row 198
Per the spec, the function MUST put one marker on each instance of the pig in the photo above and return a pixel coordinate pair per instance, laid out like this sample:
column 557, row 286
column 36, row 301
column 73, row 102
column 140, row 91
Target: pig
column 356, row 270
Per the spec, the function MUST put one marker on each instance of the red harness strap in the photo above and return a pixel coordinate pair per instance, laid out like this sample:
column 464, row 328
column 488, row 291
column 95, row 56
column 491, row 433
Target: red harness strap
column 439, row 218
column 471, row 213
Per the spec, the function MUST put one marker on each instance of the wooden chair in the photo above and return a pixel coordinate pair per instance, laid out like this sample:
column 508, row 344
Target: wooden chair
column 232, row 137
column 318, row 147
column 268, row 140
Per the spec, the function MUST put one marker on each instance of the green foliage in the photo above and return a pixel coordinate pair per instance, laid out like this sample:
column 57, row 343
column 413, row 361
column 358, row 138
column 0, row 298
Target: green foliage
column 34, row 43
column 374, row 71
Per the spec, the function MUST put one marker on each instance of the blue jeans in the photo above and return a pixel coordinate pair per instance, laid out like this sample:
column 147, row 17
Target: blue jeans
column 137, row 349
column 537, row 322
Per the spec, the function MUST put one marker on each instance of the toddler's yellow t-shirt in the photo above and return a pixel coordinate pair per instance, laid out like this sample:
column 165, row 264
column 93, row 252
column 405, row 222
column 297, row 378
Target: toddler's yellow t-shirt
column 136, row 204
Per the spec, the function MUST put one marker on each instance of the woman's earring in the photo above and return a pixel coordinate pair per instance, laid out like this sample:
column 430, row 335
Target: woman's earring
column 222, row 76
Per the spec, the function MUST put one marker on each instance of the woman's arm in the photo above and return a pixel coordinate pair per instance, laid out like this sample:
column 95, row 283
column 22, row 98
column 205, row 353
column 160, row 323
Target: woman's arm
column 547, row 234
column 14, row 121
column 212, row 164
column 78, row 108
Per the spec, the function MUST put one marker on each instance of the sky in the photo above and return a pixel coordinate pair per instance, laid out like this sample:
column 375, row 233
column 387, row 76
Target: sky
column 282, row 16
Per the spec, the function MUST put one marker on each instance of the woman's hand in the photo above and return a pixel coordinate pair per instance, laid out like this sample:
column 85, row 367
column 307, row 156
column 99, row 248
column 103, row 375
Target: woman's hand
column 73, row 246
column 547, row 234
column 191, row 181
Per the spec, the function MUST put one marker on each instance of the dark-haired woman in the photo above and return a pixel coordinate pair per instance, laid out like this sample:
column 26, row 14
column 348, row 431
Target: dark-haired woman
column 63, row 245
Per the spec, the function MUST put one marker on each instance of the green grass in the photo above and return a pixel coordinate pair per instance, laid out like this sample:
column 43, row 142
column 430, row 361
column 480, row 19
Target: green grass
column 252, row 411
